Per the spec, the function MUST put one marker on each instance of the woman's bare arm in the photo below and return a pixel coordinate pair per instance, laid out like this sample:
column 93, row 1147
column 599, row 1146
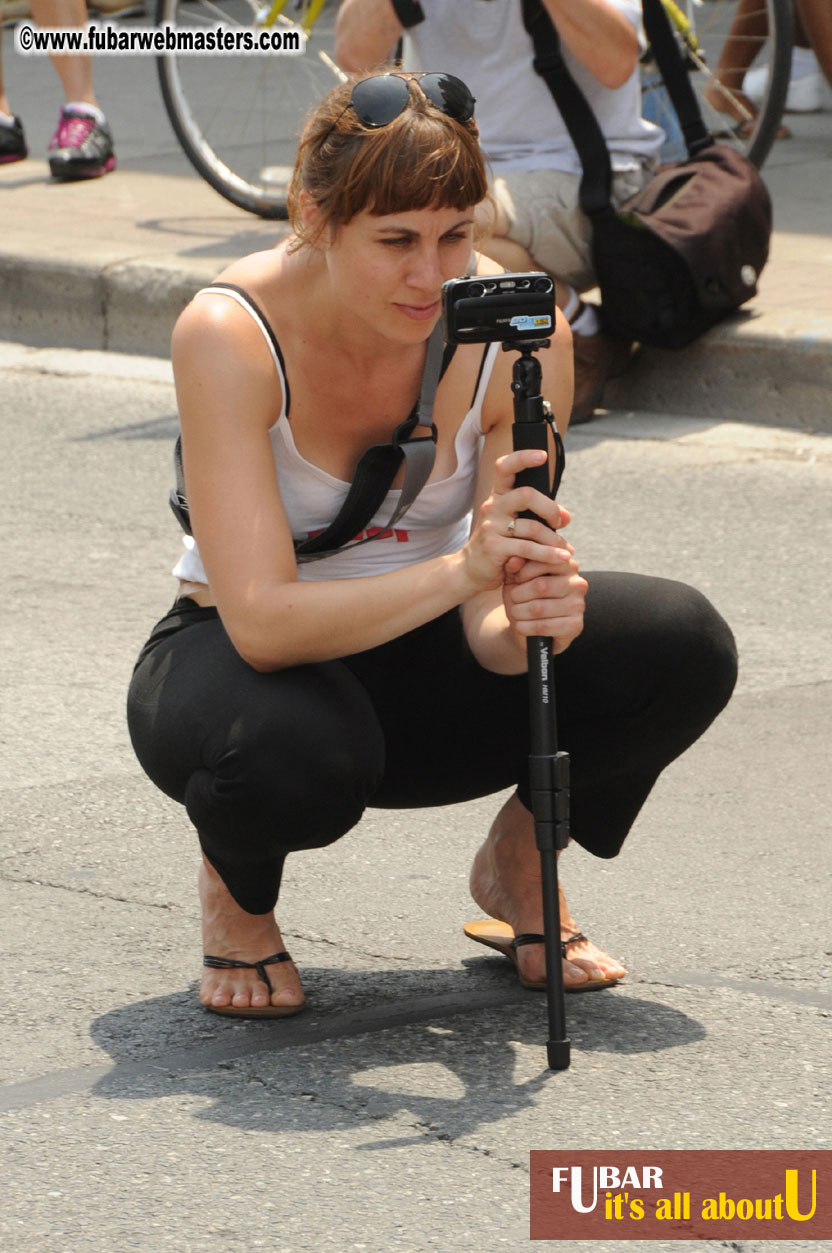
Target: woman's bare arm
column 226, row 391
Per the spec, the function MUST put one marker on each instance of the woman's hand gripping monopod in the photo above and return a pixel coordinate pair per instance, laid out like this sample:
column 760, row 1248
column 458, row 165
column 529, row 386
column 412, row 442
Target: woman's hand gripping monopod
column 548, row 768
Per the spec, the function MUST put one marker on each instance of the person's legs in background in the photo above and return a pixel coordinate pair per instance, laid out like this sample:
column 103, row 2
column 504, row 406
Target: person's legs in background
column 749, row 30
column 813, row 35
column 739, row 84
column 82, row 146
column 12, row 140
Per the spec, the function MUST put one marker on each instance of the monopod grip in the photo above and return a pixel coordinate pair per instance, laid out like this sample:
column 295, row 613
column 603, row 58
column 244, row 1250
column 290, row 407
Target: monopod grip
column 533, row 435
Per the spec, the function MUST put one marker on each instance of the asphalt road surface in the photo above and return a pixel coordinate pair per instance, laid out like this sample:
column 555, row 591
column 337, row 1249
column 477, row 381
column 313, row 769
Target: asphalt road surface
column 398, row 1113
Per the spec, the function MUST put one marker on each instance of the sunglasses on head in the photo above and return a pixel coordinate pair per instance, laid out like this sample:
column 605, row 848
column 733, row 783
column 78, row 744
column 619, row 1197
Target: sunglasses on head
column 381, row 98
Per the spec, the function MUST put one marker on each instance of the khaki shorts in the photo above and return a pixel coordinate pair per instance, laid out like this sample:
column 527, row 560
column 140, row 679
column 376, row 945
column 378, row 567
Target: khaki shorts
column 545, row 217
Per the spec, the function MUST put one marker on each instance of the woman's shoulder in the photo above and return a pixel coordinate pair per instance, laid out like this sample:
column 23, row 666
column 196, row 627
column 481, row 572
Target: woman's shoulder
column 257, row 270
column 268, row 278
column 220, row 318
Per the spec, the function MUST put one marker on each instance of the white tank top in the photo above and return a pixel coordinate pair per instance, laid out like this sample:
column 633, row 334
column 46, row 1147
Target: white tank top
column 438, row 522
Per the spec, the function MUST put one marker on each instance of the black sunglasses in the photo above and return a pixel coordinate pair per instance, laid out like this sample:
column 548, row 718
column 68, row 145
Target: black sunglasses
column 381, row 98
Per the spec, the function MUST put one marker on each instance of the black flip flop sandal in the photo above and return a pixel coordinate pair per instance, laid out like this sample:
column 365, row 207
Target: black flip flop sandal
column 252, row 1011
column 499, row 936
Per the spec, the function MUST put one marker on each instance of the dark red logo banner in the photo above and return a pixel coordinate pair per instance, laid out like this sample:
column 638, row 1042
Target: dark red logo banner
column 682, row 1194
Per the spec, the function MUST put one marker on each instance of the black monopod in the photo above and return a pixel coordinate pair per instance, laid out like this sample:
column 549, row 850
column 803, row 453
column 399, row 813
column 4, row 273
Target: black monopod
column 518, row 310
column 548, row 767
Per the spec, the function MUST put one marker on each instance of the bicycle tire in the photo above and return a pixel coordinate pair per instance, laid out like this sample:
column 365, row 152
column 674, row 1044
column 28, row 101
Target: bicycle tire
column 711, row 23
column 238, row 117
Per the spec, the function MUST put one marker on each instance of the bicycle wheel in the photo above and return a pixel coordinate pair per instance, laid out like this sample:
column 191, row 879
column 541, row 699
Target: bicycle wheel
column 238, row 117
column 722, row 41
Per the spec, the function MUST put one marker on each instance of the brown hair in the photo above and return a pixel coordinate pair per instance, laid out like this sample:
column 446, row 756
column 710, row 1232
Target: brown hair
column 422, row 159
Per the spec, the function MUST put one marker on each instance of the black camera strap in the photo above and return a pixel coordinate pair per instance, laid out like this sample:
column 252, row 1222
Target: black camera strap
column 376, row 469
column 379, row 465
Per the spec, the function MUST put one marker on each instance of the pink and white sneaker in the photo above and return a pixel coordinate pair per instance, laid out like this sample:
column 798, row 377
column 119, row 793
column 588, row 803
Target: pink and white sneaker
column 82, row 146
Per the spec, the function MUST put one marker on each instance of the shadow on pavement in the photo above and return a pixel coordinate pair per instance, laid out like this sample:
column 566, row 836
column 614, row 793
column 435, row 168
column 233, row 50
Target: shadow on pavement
column 151, row 428
column 447, row 1061
column 222, row 240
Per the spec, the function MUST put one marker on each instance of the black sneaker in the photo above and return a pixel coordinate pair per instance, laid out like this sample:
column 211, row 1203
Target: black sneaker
column 12, row 143
column 81, row 147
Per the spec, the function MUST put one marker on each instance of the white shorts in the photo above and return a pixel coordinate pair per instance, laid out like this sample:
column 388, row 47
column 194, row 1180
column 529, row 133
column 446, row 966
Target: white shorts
column 545, row 216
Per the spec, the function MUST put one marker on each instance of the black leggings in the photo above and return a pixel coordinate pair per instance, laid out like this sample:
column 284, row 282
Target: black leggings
column 266, row 764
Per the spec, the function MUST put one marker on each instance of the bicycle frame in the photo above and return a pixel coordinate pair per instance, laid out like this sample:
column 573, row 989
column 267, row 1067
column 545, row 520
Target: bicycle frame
column 311, row 13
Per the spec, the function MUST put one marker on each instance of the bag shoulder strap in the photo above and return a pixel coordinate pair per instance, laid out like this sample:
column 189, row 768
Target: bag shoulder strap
column 580, row 121
column 578, row 117
column 675, row 75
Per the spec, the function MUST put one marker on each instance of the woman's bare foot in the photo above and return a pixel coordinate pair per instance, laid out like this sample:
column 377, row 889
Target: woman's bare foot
column 505, row 883
column 228, row 931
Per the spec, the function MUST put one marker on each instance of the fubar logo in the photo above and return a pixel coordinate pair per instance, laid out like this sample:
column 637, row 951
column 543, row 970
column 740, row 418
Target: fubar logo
column 682, row 1195
column 603, row 1177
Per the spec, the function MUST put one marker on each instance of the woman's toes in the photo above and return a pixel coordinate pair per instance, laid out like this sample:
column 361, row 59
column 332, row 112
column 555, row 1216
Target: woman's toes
column 259, row 996
column 597, row 964
column 290, row 992
column 220, row 995
column 574, row 975
column 288, row 996
column 611, row 969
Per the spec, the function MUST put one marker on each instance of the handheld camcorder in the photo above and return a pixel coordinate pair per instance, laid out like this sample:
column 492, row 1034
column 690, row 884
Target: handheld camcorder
column 512, row 308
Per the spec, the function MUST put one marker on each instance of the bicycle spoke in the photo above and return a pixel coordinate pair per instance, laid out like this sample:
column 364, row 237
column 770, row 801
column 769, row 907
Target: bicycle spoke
column 723, row 40
column 238, row 117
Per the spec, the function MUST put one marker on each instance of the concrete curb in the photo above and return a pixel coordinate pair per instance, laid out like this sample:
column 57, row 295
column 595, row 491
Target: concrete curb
column 761, row 366
column 129, row 306
column 766, row 367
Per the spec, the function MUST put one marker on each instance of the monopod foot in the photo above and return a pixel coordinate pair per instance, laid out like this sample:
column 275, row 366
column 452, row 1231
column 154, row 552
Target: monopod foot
column 557, row 1052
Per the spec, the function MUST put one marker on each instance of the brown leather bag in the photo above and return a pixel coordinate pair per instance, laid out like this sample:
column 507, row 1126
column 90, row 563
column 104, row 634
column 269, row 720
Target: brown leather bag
column 688, row 248
column 685, row 251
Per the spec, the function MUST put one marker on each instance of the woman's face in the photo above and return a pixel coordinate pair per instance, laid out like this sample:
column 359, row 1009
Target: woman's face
column 388, row 271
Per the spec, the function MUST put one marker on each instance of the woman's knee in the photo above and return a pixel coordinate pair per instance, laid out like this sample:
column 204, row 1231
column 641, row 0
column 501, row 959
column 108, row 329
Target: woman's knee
column 279, row 802
column 280, row 781
column 705, row 649
column 654, row 648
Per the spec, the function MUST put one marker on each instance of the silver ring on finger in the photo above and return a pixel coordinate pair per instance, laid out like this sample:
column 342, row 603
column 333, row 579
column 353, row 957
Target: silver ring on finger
column 512, row 523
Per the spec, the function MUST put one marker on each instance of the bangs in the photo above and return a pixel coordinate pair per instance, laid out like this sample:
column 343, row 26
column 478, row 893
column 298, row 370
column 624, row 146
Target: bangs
column 427, row 165
column 422, row 159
